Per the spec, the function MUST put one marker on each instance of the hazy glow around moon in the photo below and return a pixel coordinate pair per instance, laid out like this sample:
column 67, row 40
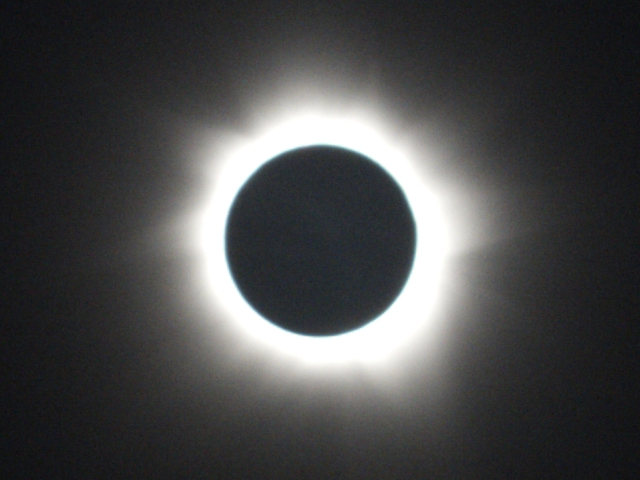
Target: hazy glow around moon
column 405, row 319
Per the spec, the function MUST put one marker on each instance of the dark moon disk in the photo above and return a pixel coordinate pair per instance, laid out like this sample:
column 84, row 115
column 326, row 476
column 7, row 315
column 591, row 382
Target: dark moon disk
column 320, row 240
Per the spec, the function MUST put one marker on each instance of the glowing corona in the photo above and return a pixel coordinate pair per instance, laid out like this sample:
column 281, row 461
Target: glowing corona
column 404, row 319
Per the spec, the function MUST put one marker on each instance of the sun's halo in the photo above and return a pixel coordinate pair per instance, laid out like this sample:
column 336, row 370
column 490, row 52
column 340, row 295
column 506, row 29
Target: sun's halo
column 406, row 316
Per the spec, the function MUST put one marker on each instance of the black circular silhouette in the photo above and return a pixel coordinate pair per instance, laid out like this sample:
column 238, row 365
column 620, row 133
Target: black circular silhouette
column 320, row 240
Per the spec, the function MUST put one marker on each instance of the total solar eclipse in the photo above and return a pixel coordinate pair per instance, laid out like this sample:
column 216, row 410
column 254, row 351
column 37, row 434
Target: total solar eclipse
column 320, row 240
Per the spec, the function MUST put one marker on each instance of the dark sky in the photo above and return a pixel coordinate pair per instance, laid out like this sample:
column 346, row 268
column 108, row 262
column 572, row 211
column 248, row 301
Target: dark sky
column 107, row 371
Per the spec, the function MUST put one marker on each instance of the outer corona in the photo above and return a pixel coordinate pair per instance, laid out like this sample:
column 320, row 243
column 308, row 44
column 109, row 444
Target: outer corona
column 411, row 310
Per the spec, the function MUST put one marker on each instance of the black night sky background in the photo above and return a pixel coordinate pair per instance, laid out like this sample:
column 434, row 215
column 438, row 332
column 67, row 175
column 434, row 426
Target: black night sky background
column 106, row 369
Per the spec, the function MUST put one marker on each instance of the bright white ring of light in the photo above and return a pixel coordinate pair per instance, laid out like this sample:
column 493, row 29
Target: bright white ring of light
column 404, row 318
